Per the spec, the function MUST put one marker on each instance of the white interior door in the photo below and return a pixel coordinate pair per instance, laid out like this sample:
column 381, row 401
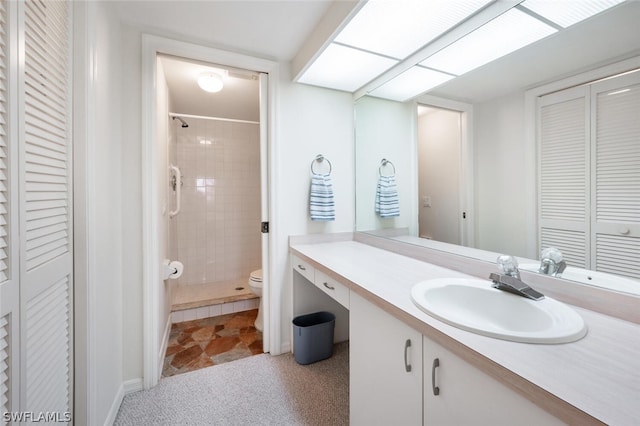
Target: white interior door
column 45, row 207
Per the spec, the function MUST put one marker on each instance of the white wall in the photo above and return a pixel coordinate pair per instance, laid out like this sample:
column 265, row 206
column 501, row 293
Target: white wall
column 385, row 129
column 131, row 189
column 164, row 202
column 104, row 225
column 501, row 167
column 310, row 121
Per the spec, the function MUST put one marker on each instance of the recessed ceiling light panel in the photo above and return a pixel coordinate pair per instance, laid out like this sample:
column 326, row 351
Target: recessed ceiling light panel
column 400, row 27
column 567, row 13
column 506, row 33
column 413, row 82
column 343, row 68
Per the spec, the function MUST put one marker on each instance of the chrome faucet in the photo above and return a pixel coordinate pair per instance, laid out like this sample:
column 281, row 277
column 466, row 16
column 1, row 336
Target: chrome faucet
column 509, row 280
column 551, row 262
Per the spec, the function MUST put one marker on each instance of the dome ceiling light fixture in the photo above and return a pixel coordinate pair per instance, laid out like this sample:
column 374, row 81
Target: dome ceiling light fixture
column 210, row 81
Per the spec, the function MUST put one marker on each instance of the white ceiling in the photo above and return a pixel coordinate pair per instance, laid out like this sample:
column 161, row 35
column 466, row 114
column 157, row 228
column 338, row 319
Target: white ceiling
column 239, row 98
column 278, row 29
column 605, row 38
column 265, row 28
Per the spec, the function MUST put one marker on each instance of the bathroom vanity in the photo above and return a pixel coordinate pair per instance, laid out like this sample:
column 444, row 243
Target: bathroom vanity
column 407, row 367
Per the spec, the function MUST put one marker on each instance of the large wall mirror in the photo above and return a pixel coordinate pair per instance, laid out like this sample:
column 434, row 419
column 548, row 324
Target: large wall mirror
column 489, row 117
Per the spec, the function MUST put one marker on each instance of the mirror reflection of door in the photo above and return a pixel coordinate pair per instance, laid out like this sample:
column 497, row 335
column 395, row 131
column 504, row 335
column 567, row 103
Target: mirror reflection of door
column 439, row 174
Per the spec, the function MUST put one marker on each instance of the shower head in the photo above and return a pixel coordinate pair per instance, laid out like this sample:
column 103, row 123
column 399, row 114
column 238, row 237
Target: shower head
column 184, row 123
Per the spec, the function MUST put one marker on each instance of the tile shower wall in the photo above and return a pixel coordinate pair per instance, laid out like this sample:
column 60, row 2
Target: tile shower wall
column 217, row 233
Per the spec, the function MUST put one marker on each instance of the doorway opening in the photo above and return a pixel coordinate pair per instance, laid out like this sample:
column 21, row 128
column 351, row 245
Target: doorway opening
column 207, row 137
column 439, row 172
column 444, row 170
column 213, row 152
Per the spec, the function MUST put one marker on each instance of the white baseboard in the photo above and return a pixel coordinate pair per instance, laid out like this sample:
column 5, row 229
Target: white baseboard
column 125, row 388
column 115, row 407
column 133, row 385
column 285, row 348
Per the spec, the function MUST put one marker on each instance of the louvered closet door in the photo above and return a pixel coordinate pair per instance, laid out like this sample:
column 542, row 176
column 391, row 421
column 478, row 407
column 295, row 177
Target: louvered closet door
column 45, row 208
column 563, row 198
column 9, row 294
column 616, row 175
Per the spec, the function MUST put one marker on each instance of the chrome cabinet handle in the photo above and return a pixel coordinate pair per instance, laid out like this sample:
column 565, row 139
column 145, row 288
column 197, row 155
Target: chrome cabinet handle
column 407, row 366
column 302, row 268
column 328, row 286
column 436, row 364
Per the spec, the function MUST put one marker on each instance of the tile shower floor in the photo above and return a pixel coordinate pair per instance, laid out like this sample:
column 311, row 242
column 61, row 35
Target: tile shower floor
column 210, row 341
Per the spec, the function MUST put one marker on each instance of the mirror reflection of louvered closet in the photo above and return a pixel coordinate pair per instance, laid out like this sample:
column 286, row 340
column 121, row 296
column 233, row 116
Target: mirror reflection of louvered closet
column 589, row 174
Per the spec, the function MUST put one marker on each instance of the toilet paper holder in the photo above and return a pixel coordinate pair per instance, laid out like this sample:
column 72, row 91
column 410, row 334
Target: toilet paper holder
column 171, row 269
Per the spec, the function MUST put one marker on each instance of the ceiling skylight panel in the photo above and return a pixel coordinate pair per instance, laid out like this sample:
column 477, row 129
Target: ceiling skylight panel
column 411, row 83
column 566, row 13
column 397, row 28
column 506, row 33
column 343, row 68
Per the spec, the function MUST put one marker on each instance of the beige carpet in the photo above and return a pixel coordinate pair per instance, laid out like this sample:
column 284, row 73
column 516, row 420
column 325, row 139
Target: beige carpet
column 258, row 390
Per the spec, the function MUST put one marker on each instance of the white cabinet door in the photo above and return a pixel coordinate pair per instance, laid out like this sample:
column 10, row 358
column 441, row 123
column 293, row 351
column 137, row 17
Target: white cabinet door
column 385, row 361
column 467, row 396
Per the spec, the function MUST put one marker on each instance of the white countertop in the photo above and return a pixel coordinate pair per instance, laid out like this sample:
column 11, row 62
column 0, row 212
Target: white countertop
column 599, row 374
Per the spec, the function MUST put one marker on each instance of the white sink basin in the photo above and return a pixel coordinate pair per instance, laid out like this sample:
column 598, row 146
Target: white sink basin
column 474, row 305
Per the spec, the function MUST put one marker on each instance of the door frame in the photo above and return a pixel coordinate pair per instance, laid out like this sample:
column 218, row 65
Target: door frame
column 467, row 199
column 151, row 268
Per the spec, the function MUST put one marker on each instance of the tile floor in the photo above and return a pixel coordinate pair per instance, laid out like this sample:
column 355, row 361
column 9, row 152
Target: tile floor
column 210, row 341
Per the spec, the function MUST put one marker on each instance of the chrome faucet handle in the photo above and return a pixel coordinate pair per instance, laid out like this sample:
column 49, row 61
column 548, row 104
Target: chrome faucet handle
column 551, row 262
column 552, row 253
column 508, row 265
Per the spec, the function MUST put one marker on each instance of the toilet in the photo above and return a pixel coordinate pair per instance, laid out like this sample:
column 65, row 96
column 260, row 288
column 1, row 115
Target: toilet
column 255, row 283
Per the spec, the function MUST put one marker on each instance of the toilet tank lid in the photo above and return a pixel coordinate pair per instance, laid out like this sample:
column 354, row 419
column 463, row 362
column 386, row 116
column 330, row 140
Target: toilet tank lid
column 256, row 275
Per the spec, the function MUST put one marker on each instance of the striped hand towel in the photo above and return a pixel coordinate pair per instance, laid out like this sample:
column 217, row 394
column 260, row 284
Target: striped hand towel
column 321, row 204
column 387, row 204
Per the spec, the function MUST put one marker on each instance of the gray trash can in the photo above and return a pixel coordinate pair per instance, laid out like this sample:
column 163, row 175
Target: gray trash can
column 313, row 337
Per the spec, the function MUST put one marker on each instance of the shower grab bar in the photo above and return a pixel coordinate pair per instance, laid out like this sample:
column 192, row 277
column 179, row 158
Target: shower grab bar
column 177, row 185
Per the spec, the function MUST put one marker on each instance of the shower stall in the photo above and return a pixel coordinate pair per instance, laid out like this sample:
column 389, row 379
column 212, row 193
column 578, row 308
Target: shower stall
column 216, row 234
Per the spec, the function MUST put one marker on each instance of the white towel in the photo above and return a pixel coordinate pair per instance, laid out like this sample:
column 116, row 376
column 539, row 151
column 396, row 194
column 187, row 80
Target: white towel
column 387, row 204
column 321, row 204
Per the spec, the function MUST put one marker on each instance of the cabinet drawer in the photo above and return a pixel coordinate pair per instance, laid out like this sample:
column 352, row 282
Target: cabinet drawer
column 333, row 288
column 303, row 267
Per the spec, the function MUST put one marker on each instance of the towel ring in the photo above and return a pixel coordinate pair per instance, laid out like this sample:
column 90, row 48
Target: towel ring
column 320, row 158
column 383, row 163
